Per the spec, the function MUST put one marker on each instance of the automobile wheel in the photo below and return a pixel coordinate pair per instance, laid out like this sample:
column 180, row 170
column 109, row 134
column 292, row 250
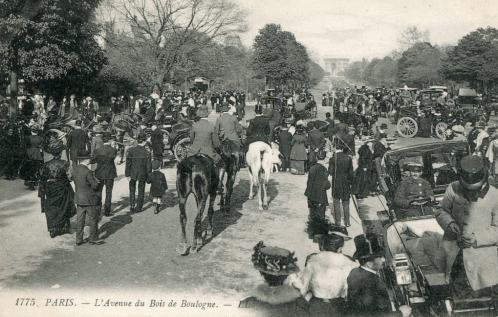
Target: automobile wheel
column 181, row 149
column 67, row 128
column 407, row 127
column 440, row 129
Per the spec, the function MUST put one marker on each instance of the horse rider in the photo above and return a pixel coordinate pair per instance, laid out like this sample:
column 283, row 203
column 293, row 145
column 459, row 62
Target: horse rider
column 205, row 139
column 258, row 129
column 228, row 129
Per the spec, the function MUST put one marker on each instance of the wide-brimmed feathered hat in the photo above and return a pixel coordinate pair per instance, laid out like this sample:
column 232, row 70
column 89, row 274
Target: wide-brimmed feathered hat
column 54, row 141
column 274, row 260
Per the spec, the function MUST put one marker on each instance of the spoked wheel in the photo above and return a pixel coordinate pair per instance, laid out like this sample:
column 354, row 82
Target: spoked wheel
column 181, row 149
column 67, row 128
column 440, row 129
column 407, row 127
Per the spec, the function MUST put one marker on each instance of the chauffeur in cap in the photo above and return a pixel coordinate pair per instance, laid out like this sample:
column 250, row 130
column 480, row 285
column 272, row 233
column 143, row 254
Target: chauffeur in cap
column 468, row 214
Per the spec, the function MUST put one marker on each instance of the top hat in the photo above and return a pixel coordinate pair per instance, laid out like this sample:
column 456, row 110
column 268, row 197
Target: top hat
column 367, row 249
column 274, row 260
column 383, row 126
column 202, row 111
column 258, row 108
column 472, row 172
column 83, row 154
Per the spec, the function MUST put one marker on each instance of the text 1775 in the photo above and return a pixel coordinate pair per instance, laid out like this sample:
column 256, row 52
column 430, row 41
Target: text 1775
column 25, row 302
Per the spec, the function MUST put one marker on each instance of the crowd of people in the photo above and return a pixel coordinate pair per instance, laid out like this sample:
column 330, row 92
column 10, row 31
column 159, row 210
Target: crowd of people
column 331, row 283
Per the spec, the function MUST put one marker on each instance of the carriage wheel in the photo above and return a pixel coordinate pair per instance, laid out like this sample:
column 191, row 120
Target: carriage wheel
column 67, row 128
column 181, row 149
column 407, row 127
column 440, row 129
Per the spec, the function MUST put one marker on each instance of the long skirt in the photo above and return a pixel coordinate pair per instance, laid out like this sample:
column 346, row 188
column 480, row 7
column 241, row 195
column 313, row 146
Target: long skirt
column 364, row 182
column 297, row 167
column 57, row 202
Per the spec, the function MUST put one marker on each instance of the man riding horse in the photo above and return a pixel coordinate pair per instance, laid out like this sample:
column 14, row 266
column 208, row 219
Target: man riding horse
column 258, row 129
column 204, row 141
column 228, row 129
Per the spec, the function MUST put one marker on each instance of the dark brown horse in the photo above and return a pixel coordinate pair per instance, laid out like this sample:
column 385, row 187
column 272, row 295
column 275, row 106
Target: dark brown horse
column 196, row 174
column 232, row 158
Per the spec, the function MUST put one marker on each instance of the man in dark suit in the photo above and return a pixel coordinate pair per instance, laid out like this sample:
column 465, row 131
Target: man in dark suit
column 138, row 166
column 274, row 117
column 106, row 170
column 331, row 126
column 258, row 129
column 157, row 142
column 316, row 141
column 284, row 140
column 367, row 294
column 316, row 191
column 86, row 199
column 341, row 170
column 340, row 131
column 77, row 140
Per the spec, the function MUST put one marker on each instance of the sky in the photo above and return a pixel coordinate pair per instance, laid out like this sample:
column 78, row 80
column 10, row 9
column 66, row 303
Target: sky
column 367, row 28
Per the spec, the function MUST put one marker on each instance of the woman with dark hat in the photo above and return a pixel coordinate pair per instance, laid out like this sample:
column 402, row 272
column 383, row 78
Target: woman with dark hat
column 56, row 193
column 29, row 170
column 275, row 298
column 365, row 176
column 298, row 155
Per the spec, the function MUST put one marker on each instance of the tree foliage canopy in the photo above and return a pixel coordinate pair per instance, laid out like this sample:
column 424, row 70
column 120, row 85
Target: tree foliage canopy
column 279, row 57
column 474, row 59
column 51, row 42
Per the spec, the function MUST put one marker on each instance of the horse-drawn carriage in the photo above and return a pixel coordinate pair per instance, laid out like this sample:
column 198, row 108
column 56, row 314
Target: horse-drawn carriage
column 416, row 272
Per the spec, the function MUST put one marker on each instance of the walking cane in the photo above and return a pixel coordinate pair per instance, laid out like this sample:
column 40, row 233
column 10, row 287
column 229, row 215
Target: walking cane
column 355, row 203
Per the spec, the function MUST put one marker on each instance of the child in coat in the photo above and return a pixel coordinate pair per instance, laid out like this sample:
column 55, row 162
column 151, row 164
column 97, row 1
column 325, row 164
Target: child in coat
column 158, row 185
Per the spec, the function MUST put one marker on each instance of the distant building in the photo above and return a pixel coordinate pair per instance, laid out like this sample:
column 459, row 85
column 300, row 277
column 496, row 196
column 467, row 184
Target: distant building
column 335, row 66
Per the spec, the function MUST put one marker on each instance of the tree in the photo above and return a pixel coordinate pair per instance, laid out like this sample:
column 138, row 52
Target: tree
column 384, row 72
column 50, row 43
column 412, row 35
column 279, row 57
column 419, row 65
column 162, row 37
column 472, row 60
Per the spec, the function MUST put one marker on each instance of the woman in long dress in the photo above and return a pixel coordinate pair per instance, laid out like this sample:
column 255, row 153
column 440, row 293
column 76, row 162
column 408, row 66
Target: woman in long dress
column 298, row 155
column 56, row 193
column 365, row 176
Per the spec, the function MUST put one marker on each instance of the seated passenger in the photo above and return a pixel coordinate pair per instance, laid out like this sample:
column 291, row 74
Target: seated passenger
column 410, row 198
column 412, row 193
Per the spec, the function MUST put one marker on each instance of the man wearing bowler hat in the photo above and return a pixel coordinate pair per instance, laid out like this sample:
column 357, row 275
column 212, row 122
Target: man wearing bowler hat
column 86, row 199
column 138, row 166
column 367, row 294
column 105, row 171
column 468, row 214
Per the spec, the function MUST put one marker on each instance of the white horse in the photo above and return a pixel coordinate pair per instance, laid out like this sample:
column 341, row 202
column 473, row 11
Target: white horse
column 259, row 157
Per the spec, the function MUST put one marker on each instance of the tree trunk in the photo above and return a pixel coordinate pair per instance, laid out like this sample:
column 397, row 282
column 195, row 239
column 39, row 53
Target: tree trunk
column 13, row 91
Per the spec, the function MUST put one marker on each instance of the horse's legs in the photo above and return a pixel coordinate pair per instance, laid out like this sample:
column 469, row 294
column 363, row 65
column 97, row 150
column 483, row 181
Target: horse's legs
column 182, row 247
column 209, row 231
column 251, row 194
column 197, row 241
column 260, row 183
column 229, row 190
